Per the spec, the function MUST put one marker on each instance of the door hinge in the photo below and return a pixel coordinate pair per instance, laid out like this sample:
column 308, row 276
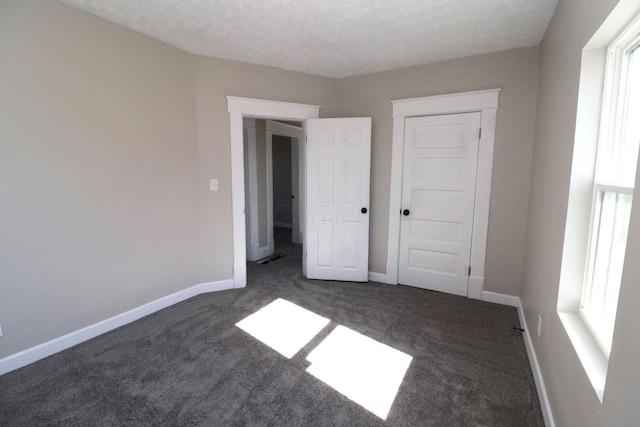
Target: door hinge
column 469, row 270
column 480, row 133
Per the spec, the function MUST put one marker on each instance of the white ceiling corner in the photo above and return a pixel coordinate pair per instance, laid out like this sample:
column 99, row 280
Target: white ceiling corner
column 333, row 38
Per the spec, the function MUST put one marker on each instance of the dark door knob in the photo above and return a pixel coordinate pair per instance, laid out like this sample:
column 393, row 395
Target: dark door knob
column 363, row 210
column 406, row 212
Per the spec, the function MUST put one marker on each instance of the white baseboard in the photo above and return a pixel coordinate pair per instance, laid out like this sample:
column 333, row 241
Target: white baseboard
column 377, row 277
column 535, row 369
column 33, row 354
column 500, row 298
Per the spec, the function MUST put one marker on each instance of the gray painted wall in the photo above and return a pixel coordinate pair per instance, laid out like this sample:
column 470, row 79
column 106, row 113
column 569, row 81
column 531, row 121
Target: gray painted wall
column 573, row 399
column 216, row 78
column 109, row 139
column 516, row 72
column 99, row 208
column 157, row 116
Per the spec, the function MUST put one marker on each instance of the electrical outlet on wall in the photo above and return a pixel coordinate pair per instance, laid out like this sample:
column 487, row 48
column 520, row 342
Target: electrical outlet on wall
column 539, row 324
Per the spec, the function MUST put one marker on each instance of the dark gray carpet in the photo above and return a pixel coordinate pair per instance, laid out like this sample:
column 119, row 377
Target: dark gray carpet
column 189, row 364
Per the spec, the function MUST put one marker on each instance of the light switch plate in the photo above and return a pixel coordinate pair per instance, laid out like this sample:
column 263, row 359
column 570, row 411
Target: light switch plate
column 213, row 185
column 1, row 334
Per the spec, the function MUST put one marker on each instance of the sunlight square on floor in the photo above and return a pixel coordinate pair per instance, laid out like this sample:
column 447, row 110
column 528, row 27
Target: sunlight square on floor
column 283, row 326
column 361, row 368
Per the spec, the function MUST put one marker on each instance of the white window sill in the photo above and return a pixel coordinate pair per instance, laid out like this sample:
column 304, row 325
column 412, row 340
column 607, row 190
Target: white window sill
column 591, row 356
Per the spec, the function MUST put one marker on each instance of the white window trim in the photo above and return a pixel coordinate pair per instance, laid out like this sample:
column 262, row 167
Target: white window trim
column 609, row 132
column 587, row 134
column 483, row 101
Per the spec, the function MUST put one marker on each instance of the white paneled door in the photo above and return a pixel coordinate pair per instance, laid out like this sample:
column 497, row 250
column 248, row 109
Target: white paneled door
column 337, row 226
column 438, row 193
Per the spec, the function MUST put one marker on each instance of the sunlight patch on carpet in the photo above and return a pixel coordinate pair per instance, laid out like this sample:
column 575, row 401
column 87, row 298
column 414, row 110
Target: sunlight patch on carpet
column 361, row 368
column 283, row 326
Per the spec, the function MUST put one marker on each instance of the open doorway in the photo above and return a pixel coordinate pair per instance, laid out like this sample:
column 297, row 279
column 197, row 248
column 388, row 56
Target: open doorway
column 284, row 198
column 273, row 188
column 239, row 108
column 336, row 236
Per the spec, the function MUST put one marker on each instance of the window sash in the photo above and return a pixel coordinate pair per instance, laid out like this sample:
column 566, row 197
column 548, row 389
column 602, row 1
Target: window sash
column 612, row 210
column 613, row 189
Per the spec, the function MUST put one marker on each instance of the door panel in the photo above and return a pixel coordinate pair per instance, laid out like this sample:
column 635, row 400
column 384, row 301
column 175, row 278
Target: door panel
column 438, row 192
column 338, row 166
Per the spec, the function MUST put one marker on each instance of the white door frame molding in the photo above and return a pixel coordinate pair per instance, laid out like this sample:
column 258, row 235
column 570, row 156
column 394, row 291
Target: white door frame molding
column 251, row 187
column 250, row 134
column 254, row 250
column 485, row 102
column 237, row 107
column 284, row 129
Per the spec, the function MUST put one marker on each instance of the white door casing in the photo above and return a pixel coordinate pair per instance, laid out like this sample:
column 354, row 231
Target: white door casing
column 269, row 189
column 250, row 188
column 485, row 102
column 296, row 232
column 253, row 184
column 438, row 191
column 237, row 107
column 337, row 230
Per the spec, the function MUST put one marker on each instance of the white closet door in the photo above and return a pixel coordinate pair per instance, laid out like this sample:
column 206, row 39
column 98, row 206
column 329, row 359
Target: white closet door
column 438, row 193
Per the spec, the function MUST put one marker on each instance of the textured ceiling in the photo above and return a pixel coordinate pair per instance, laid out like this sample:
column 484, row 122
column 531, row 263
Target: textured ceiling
column 334, row 38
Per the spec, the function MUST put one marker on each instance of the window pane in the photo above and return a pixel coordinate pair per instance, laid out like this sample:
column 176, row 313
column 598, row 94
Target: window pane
column 609, row 241
column 622, row 154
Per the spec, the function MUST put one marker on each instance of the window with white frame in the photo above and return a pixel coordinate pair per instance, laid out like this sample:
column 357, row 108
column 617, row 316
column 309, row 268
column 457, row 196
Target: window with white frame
column 614, row 180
